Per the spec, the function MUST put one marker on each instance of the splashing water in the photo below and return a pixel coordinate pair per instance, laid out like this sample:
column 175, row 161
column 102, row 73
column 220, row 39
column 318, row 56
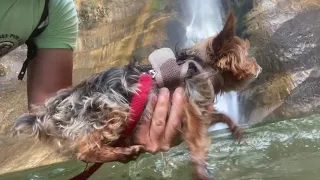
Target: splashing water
column 207, row 21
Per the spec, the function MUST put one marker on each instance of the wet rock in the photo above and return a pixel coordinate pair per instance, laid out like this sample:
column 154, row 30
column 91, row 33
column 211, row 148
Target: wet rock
column 142, row 53
column 285, row 39
column 2, row 70
column 240, row 9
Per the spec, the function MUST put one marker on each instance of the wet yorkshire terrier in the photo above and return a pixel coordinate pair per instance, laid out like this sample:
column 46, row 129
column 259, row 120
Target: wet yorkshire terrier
column 93, row 119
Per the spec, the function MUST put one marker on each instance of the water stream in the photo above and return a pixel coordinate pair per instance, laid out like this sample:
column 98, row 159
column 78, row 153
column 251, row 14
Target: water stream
column 285, row 150
column 207, row 21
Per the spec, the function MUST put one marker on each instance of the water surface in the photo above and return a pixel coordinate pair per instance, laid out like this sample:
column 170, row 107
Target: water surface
column 285, row 150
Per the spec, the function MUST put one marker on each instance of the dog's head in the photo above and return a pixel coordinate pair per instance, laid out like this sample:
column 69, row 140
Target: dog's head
column 228, row 54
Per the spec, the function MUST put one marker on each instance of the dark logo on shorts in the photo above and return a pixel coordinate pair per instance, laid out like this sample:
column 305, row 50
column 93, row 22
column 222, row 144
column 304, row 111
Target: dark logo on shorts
column 5, row 47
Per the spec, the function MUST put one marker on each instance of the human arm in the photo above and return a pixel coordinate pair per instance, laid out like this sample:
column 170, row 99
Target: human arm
column 51, row 69
column 48, row 72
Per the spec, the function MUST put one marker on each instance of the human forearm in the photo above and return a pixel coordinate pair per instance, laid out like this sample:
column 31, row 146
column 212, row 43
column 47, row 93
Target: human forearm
column 50, row 71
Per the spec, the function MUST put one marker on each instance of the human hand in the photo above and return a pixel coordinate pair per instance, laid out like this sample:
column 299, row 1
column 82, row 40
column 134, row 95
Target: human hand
column 159, row 134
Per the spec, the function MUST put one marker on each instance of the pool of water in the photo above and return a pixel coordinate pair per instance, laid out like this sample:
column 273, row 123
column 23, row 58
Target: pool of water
column 284, row 150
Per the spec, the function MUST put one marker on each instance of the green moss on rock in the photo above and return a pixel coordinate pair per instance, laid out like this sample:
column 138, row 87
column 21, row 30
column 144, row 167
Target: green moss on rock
column 276, row 90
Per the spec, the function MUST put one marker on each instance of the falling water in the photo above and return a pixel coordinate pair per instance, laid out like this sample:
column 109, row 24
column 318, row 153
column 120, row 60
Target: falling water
column 207, row 21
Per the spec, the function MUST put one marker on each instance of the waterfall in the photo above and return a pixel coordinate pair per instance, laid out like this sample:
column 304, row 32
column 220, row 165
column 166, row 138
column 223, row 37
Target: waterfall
column 207, row 21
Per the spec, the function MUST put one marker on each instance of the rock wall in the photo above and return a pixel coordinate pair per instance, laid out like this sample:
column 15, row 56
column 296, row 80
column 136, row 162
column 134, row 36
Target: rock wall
column 129, row 29
column 285, row 39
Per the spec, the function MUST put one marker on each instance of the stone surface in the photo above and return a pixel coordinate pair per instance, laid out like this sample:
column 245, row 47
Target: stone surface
column 285, row 39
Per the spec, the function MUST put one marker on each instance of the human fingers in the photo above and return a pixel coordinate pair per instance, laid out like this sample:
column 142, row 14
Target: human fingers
column 143, row 133
column 158, row 122
column 173, row 126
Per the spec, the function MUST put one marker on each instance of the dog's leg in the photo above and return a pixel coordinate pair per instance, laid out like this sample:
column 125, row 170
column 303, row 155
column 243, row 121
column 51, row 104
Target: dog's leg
column 107, row 153
column 236, row 131
column 195, row 133
column 92, row 149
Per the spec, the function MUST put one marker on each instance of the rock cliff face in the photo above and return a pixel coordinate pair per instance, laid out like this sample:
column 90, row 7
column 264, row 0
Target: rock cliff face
column 285, row 39
column 129, row 29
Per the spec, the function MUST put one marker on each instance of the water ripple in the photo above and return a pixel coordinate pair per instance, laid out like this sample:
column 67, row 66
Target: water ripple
column 284, row 150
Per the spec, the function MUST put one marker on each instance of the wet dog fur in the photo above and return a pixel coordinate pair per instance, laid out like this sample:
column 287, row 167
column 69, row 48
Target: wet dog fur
column 87, row 119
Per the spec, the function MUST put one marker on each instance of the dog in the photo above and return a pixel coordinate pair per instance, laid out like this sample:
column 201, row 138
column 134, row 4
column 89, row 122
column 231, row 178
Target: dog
column 88, row 120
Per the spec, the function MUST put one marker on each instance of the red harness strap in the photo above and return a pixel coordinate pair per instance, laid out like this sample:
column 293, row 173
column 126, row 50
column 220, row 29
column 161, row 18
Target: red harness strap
column 137, row 106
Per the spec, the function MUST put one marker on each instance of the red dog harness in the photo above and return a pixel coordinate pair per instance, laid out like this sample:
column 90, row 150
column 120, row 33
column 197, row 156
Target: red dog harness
column 137, row 106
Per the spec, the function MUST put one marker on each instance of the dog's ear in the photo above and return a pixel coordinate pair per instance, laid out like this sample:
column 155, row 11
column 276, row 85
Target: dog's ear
column 239, row 69
column 226, row 63
column 227, row 33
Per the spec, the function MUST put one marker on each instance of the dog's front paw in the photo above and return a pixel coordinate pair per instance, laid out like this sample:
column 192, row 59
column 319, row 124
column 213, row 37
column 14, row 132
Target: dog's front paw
column 131, row 153
column 201, row 173
column 200, row 170
column 238, row 133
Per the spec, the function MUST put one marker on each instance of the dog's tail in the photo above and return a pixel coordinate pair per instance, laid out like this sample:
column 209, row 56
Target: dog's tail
column 30, row 125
